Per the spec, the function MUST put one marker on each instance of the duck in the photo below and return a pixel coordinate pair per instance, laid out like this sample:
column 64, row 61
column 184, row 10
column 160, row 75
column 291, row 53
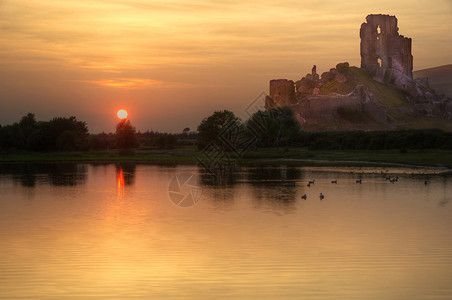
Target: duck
column 334, row 181
column 321, row 196
column 304, row 197
column 359, row 181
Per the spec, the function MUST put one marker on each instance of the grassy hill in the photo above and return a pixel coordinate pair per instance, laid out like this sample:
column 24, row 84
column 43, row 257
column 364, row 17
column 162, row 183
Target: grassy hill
column 440, row 78
column 391, row 99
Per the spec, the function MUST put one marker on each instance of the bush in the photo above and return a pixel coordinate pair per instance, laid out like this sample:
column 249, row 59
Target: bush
column 343, row 67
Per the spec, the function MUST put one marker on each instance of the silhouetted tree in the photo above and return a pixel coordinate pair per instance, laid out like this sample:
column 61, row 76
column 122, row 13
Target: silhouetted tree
column 277, row 125
column 101, row 141
column 63, row 134
column 126, row 137
column 28, row 124
column 211, row 127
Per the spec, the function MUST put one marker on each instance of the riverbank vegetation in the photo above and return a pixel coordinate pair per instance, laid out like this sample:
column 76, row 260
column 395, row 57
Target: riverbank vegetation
column 272, row 135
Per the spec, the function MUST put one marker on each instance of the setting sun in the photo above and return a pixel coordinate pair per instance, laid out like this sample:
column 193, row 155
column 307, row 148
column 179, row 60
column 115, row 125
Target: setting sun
column 122, row 114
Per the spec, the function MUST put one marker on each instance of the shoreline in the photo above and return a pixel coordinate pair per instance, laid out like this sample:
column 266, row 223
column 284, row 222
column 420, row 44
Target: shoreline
column 440, row 160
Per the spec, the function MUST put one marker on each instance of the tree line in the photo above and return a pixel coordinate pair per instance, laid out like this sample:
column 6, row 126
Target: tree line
column 69, row 134
column 277, row 127
column 58, row 134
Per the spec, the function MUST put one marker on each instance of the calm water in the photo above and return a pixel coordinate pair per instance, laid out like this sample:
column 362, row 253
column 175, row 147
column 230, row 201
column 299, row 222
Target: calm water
column 108, row 231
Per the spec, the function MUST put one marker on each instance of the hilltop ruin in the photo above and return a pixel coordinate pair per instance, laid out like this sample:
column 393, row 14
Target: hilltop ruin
column 385, row 54
column 368, row 97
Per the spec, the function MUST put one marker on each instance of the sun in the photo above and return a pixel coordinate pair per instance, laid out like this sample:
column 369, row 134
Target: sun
column 122, row 114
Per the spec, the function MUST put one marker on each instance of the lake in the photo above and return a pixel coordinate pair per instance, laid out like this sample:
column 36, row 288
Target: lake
column 106, row 231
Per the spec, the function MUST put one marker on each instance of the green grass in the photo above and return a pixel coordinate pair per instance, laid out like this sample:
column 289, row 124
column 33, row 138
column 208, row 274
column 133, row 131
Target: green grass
column 336, row 87
column 386, row 95
column 179, row 155
column 428, row 158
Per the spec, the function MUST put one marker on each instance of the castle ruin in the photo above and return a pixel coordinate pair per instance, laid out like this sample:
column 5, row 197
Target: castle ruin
column 283, row 91
column 386, row 54
column 386, row 57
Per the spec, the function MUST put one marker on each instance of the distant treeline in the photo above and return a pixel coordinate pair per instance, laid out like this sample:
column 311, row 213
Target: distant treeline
column 147, row 139
column 277, row 127
column 58, row 134
column 69, row 134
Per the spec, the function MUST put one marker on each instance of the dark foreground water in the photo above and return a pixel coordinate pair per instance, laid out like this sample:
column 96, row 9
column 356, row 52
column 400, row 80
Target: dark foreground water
column 78, row 231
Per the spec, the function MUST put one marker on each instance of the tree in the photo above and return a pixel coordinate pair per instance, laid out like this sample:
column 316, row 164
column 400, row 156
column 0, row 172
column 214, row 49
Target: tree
column 126, row 136
column 64, row 134
column 28, row 124
column 185, row 131
column 210, row 128
column 279, row 125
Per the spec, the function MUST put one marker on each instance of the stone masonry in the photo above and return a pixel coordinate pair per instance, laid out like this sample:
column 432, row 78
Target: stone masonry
column 384, row 52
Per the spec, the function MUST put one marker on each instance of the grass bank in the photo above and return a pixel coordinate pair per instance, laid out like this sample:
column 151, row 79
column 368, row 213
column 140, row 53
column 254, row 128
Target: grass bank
column 426, row 158
column 429, row 158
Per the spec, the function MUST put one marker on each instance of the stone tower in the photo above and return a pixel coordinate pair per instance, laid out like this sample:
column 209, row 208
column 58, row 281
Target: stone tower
column 282, row 91
column 384, row 52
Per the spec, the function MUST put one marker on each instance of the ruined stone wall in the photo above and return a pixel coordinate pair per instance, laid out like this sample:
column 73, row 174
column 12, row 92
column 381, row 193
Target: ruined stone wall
column 316, row 108
column 384, row 52
column 282, row 91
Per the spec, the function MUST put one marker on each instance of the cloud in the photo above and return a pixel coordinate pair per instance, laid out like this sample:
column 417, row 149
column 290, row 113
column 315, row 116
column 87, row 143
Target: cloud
column 449, row 2
column 103, row 68
column 128, row 83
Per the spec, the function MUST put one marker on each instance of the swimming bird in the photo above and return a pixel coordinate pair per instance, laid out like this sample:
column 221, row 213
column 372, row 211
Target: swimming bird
column 309, row 184
column 394, row 179
column 426, row 182
column 334, row 181
column 359, row 181
column 304, row 197
column 311, row 181
column 321, row 196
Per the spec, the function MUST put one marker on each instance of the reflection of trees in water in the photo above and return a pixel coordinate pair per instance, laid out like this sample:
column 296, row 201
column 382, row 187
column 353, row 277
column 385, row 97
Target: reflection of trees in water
column 222, row 197
column 274, row 187
column 279, row 174
column 28, row 175
column 227, row 177
column 274, row 197
column 445, row 198
column 67, row 174
column 271, row 186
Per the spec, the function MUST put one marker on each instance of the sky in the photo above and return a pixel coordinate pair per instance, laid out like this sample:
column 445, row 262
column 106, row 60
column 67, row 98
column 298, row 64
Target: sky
column 170, row 63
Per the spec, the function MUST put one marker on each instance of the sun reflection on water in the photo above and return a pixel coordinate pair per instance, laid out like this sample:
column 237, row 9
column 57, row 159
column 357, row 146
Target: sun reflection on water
column 120, row 181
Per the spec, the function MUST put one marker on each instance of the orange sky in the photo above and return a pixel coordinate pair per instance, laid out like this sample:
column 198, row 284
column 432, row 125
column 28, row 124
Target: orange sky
column 171, row 63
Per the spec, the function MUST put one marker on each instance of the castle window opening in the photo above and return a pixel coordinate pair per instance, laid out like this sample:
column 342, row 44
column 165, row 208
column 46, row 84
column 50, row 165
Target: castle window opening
column 378, row 30
column 379, row 62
